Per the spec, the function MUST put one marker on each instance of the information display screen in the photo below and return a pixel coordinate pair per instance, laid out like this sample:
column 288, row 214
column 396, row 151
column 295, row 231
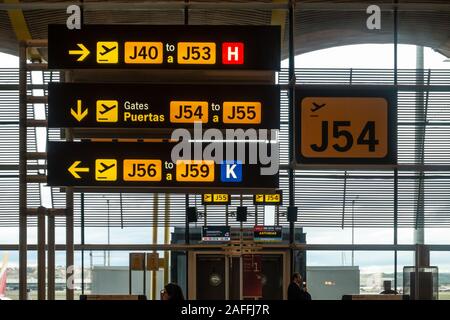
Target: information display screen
column 165, row 47
column 268, row 233
column 216, row 234
column 346, row 124
column 141, row 164
column 161, row 106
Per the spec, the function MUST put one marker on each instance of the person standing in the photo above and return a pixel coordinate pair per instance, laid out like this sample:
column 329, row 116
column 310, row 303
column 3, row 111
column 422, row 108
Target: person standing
column 172, row 292
column 296, row 291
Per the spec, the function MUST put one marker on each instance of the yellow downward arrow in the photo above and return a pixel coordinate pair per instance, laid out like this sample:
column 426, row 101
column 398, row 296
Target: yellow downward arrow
column 78, row 114
column 84, row 52
column 74, row 169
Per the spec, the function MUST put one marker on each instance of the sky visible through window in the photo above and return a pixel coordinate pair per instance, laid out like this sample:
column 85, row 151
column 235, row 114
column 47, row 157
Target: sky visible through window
column 354, row 56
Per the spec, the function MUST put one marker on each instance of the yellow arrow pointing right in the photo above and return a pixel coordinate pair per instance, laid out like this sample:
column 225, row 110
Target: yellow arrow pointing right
column 84, row 52
column 74, row 169
column 79, row 115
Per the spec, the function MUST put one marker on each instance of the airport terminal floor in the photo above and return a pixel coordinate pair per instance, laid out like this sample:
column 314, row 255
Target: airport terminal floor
column 249, row 151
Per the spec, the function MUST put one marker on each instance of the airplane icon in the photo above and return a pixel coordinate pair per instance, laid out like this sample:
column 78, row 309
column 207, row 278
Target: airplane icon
column 107, row 50
column 105, row 167
column 106, row 108
column 107, row 111
column 317, row 106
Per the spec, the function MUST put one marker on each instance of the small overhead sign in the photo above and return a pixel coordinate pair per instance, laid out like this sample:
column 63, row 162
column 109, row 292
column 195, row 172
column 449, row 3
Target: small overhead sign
column 215, row 199
column 165, row 47
column 159, row 106
column 346, row 125
column 270, row 199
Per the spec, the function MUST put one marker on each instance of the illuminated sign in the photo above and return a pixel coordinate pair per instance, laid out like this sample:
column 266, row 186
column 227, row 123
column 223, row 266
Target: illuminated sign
column 267, row 233
column 165, row 47
column 216, row 233
column 216, row 199
column 163, row 106
column 149, row 165
column 346, row 125
column 268, row 199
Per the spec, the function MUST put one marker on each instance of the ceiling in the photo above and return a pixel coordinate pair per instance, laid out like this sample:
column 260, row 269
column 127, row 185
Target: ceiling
column 317, row 24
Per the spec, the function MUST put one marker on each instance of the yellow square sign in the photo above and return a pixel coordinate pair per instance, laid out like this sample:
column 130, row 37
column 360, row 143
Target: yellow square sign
column 107, row 111
column 344, row 127
column 106, row 169
column 107, row 52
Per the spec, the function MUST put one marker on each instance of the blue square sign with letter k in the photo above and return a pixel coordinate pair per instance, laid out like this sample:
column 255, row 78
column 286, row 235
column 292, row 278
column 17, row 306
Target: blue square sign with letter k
column 231, row 171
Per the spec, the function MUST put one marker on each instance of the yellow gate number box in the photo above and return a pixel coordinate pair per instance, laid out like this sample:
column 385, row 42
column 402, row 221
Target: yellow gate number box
column 344, row 127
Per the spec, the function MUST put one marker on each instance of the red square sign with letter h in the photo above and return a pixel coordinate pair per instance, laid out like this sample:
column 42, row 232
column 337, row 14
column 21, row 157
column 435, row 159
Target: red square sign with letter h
column 232, row 53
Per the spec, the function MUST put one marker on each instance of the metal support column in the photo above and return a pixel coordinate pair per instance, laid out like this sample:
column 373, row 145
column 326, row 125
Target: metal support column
column 420, row 117
column 166, row 236
column 69, row 237
column 155, row 241
column 23, row 171
column 186, row 229
column 395, row 226
column 41, row 252
column 82, row 242
column 51, row 256
column 69, row 243
column 291, row 125
column 395, row 171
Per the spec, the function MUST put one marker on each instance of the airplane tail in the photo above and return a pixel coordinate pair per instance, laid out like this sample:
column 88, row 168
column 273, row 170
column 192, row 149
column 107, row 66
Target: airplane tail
column 3, row 275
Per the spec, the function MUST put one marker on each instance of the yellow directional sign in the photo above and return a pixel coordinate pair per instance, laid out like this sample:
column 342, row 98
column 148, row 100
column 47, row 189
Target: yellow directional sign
column 216, row 199
column 107, row 111
column 144, row 52
column 275, row 198
column 79, row 114
column 106, row 169
column 152, row 261
column 344, row 127
column 268, row 198
column 74, row 169
column 107, row 52
column 196, row 53
column 242, row 112
column 84, row 52
column 142, row 170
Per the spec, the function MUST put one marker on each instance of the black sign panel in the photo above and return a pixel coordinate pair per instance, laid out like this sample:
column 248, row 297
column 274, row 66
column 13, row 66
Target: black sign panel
column 216, row 233
column 269, row 199
column 346, row 125
column 163, row 106
column 139, row 164
column 165, row 47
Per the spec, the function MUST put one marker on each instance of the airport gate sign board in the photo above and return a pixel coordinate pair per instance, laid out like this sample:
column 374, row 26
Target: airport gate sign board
column 346, row 125
column 165, row 47
column 268, row 199
column 158, row 106
column 221, row 199
column 149, row 165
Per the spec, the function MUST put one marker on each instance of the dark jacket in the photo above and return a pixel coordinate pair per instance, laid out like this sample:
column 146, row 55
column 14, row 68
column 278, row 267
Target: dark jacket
column 296, row 293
